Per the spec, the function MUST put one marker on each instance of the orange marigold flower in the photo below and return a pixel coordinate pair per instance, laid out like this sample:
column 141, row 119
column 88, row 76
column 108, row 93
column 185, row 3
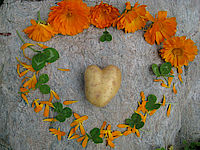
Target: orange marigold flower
column 132, row 19
column 162, row 28
column 103, row 15
column 70, row 17
column 178, row 51
column 39, row 32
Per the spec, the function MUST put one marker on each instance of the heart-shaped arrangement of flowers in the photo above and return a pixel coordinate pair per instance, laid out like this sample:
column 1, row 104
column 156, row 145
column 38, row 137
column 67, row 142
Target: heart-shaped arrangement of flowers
column 70, row 17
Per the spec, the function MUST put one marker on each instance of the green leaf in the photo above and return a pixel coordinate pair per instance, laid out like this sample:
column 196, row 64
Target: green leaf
column 129, row 122
column 136, row 118
column 105, row 32
column 103, row 38
column 165, row 68
column 67, row 112
column 156, row 106
column 152, row 98
column 155, row 70
column 108, row 37
column 60, row 117
column 38, row 61
column 139, row 125
column 44, row 89
column 97, row 140
column 44, row 78
column 95, row 132
column 58, row 107
column 149, row 106
column 52, row 54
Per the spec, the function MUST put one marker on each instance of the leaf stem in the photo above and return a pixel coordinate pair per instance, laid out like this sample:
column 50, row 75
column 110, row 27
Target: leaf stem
column 25, row 42
column 165, row 79
column 39, row 18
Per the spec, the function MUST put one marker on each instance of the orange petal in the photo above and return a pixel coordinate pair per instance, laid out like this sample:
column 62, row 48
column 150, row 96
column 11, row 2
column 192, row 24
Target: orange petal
column 74, row 137
column 115, row 133
column 127, row 133
column 164, row 100
column 80, row 139
column 25, row 98
column 169, row 110
column 69, row 102
column 180, row 78
column 82, row 129
column 158, row 80
column 51, row 97
column 109, row 127
column 103, row 125
column 61, row 69
column 46, row 111
column 180, row 70
column 23, row 48
column 42, row 45
column 74, row 123
column 50, row 120
column 174, row 89
column 122, row 126
column 76, row 115
column 72, row 131
column 111, row 144
column 164, row 85
column 84, row 143
column 55, row 95
column 137, row 133
column 59, row 137
column 142, row 96
column 38, row 108
column 152, row 112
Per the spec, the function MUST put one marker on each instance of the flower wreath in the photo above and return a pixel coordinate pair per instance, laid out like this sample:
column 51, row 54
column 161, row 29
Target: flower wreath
column 70, row 17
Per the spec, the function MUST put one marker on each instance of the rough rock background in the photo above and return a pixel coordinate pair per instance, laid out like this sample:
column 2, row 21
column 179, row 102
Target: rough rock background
column 22, row 129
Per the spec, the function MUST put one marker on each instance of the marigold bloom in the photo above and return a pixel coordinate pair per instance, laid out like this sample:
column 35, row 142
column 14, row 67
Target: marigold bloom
column 39, row 31
column 109, row 134
column 70, row 17
column 132, row 19
column 103, row 15
column 57, row 132
column 178, row 51
column 162, row 28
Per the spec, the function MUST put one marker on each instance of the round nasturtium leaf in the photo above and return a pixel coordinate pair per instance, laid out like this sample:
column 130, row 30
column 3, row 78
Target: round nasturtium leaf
column 165, row 68
column 44, row 78
column 136, row 117
column 152, row 98
column 67, row 112
column 156, row 70
column 156, row 106
column 103, row 38
column 38, row 61
column 108, row 37
column 95, row 132
column 60, row 117
column 58, row 107
column 52, row 54
column 44, row 89
column 139, row 125
column 97, row 140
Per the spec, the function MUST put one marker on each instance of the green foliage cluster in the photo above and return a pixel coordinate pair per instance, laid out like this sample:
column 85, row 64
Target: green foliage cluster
column 151, row 104
column 94, row 136
column 44, row 88
column 63, row 113
column 163, row 70
column 48, row 55
column 106, row 37
column 135, row 120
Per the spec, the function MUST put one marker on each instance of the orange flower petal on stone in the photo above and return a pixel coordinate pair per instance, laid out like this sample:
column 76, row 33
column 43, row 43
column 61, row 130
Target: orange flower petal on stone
column 103, row 125
column 46, row 111
column 55, row 94
column 50, row 120
column 164, row 85
column 74, row 137
column 76, row 115
column 180, row 78
column 127, row 133
column 122, row 126
column 69, row 17
column 110, row 143
column 42, row 46
column 80, row 139
column 39, row 32
column 162, row 28
column 174, row 89
column 103, row 15
column 142, row 96
column 82, row 129
column 164, row 101
column 69, row 102
column 71, row 132
column 137, row 133
column 23, row 49
column 85, row 141
column 25, row 98
column 31, row 82
column 168, row 110
column 62, row 69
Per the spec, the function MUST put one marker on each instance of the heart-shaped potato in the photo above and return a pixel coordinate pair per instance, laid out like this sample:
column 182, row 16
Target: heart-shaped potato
column 101, row 85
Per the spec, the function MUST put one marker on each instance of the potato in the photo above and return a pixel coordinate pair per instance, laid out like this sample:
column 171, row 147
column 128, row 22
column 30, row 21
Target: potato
column 101, row 85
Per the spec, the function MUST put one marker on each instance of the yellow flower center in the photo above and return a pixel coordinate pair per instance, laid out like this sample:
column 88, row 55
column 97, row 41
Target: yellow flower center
column 177, row 51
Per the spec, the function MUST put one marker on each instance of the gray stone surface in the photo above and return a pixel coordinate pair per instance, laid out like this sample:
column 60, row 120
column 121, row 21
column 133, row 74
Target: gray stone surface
column 23, row 129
